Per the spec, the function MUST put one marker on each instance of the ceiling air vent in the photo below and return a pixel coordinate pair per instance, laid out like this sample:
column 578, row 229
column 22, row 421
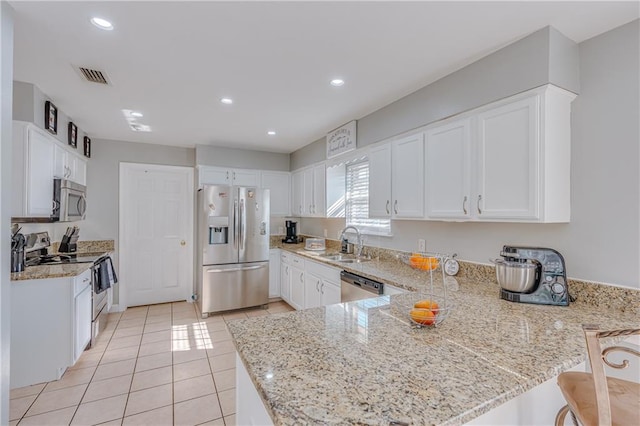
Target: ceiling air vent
column 94, row 76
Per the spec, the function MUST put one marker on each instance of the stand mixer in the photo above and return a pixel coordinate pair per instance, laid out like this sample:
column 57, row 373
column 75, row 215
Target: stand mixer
column 532, row 275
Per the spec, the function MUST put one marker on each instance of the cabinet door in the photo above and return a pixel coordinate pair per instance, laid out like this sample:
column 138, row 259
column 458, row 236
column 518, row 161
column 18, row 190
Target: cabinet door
column 319, row 193
column 297, row 206
column 447, row 162
column 215, row 176
column 82, row 322
column 279, row 186
column 380, row 181
column 39, row 188
column 80, row 171
column 241, row 177
column 285, row 282
column 312, row 296
column 307, row 192
column 274, row 273
column 297, row 287
column 407, row 177
column 60, row 169
column 330, row 292
column 507, row 161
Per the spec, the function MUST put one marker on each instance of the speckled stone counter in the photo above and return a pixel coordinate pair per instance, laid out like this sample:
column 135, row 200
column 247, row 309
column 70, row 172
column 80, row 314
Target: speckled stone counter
column 65, row 270
column 363, row 363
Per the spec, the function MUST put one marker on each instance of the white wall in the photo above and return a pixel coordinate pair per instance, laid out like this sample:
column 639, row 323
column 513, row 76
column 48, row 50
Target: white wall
column 6, row 79
column 241, row 158
column 602, row 241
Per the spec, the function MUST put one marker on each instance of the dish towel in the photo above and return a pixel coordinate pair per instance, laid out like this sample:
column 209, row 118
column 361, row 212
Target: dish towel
column 104, row 275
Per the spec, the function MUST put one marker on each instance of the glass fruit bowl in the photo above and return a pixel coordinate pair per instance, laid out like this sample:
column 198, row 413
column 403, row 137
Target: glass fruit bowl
column 422, row 261
column 422, row 309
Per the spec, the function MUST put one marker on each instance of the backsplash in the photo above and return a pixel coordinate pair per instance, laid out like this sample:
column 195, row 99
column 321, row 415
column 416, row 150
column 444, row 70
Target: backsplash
column 88, row 246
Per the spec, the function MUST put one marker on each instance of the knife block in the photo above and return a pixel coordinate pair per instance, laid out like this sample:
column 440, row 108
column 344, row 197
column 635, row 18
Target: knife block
column 68, row 245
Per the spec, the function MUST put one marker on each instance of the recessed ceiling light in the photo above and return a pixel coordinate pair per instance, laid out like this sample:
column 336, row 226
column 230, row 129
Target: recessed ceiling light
column 103, row 24
column 271, row 133
column 337, row 82
column 227, row 101
column 136, row 114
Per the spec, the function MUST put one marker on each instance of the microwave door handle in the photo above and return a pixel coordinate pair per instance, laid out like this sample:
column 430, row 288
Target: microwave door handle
column 82, row 205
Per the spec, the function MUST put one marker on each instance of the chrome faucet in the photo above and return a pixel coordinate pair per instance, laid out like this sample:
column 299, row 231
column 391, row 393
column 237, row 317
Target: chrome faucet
column 358, row 235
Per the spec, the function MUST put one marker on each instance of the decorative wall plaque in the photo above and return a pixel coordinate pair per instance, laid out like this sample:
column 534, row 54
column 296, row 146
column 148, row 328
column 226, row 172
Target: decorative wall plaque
column 341, row 140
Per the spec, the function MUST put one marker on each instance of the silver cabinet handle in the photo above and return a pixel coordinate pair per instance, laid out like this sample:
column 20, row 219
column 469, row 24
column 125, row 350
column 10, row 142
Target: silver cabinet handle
column 234, row 176
column 310, row 209
column 227, row 174
column 300, row 209
column 301, row 277
column 322, row 288
column 464, row 203
column 479, row 199
column 395, row 206
column 317, row 284
column 387, row 207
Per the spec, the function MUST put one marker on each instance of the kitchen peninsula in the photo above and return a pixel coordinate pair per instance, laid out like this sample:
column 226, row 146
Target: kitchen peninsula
column 363, row 363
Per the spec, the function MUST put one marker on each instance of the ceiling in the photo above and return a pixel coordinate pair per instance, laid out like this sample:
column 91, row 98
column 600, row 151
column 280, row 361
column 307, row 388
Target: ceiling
column 173, row 61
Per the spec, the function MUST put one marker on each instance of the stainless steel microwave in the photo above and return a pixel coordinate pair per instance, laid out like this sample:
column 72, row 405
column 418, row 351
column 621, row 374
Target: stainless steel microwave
column 69, row 201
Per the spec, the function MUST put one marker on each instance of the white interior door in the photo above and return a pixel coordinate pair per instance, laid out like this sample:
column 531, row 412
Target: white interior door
column 156, row 234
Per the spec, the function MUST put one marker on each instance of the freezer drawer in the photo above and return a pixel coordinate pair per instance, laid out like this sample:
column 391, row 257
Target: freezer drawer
column 234, row 286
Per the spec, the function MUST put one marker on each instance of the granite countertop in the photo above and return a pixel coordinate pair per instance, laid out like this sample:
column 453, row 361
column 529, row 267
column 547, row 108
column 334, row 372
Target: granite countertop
column 364, row 363
column 87, row 248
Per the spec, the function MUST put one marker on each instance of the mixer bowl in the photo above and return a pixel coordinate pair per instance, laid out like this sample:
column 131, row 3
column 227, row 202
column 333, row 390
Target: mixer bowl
column 515, row 276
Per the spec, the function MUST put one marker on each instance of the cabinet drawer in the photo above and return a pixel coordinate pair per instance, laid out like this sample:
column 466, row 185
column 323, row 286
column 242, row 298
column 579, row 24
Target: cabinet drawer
column 285, row 258
column 323, row 271
column 297, row 261
column 81, row 282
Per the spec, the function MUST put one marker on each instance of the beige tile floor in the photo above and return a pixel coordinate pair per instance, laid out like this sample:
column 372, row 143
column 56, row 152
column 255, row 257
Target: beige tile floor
column 153, row 365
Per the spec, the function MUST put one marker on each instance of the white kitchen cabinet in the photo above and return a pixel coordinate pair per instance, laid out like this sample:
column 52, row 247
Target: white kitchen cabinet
column 297, row 194
column 67, row 165
column 396, row 176
column 82, row 314
column 322, row 284
column 279, row 186
column 309, row 191
column 447, row 170
column 297, row 287
column 505, row 162
column 209, row 175
column 32, row 185
column 380, row 181
column 285, row 277
column 43, row 346
column 274, row 273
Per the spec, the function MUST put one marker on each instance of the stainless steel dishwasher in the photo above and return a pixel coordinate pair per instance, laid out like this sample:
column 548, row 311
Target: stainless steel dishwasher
column 354, row 287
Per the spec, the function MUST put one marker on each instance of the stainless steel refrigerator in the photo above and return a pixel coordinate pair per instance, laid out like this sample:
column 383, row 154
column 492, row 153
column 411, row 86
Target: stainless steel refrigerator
column 233, row 248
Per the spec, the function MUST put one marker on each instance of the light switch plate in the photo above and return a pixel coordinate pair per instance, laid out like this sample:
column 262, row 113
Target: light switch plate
column 422, row 245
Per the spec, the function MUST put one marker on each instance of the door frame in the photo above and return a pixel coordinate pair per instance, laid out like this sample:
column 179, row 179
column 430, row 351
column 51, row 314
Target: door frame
column 122, row 251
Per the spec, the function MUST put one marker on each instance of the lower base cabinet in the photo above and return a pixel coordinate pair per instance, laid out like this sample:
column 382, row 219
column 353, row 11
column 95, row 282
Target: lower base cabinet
column 274, row 273
column 307, row 284
column 50, row 327
column 297, row 288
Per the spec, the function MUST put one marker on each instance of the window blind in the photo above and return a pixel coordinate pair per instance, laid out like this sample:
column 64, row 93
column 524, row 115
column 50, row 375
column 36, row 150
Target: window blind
column 357, row 201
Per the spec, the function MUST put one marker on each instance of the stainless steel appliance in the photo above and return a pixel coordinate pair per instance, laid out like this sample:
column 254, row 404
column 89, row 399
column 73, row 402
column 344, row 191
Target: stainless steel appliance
column 532, row 275
column 233, row 248
column 354, row 287
column 99, row 313
column 69, row 201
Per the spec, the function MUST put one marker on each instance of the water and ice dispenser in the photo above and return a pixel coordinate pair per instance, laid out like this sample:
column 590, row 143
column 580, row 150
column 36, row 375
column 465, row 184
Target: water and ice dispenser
column 218, row 229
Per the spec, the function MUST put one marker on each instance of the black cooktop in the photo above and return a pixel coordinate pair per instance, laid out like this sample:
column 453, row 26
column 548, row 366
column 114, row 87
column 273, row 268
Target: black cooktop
column 61, row 259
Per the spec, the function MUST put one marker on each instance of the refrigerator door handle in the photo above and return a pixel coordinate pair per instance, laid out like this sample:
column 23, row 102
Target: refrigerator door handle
column 235, row 225
column 241, row 220
column 250, row 268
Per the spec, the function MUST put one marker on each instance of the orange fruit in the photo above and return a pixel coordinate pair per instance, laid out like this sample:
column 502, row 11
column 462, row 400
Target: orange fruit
column 422, row 316
column 428, row 304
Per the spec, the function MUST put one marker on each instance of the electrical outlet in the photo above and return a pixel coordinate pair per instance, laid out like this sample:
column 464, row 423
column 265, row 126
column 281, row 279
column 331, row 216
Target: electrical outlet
column 422, row 245
column 325, row 233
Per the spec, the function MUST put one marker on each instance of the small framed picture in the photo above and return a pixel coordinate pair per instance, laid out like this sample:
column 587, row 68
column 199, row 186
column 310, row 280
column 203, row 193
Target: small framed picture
column 73, row 135
column 50, row 117
column 87, row 147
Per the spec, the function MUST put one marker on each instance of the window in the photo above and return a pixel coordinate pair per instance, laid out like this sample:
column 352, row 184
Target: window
column 357, row 201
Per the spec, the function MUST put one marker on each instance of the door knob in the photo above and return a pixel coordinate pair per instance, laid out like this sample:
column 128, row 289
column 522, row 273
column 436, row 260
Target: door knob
column 183, row 242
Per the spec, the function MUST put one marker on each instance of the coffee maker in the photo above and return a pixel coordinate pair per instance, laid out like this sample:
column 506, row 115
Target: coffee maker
column 532, row 275
column 292, row 236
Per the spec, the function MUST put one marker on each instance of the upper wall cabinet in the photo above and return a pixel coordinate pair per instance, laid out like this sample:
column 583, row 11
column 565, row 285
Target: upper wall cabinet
column 67, row 165
column 309, row 191
column 396, row 175
column 33, row 153
column 506, row 162
column 209, row 175
column 279, row 184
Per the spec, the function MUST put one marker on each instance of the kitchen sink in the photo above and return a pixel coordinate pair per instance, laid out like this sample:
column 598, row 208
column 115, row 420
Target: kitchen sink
column 344, row 258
